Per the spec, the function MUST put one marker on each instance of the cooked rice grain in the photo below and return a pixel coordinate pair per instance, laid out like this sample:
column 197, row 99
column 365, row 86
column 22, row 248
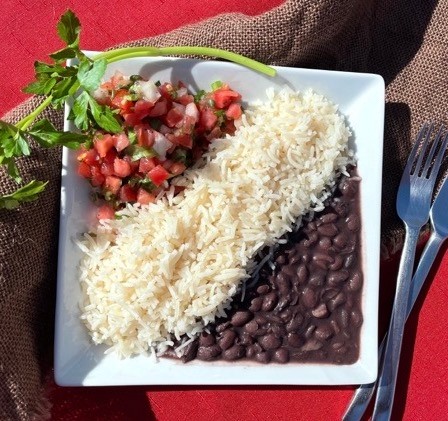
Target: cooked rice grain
column 170, row 268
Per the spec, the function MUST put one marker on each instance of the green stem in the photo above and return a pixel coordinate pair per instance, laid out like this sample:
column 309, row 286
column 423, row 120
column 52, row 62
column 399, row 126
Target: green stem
column 29, row 119
column 132, row 52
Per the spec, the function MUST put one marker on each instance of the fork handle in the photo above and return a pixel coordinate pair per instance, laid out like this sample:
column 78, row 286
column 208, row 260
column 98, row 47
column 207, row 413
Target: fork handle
column 364, row 393
column 388, row 375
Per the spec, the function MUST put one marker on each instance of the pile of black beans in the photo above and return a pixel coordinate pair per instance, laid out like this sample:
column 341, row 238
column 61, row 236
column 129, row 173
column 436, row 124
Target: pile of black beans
column 308, row 309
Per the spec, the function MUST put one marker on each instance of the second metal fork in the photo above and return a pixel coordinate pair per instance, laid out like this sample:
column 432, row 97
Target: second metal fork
column 413, row 205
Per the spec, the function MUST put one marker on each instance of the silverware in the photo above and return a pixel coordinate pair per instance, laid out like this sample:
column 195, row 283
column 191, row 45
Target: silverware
column 413, row 208
column 439, row 233
column 413, row 205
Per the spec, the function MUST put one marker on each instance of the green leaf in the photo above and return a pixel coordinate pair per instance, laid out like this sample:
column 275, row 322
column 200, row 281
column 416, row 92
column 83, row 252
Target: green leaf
column 104, row 117
column 47, row 136
column 69, row 28
column 15, row 144
column 79, row 111
column 61, row 89
column 90, row 73
column 26, row 193
column 64, row 54
column 136, row 152
column 13, row 170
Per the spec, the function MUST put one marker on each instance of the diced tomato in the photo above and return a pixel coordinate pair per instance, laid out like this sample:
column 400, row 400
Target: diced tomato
column 207, row 119
column 122, row 168
column 181, row 139
column 112, row 184
column 160, row 107
column 134, row 164
column 107, row 168
column 110, row 156
column 119, row 101
column 118, row 80
column 105, row 212
column 185, row 99
column 144, row 197
column 142, row 107
column 146, row 165
column 103, row 144
column 173, row 117
column 127, row 194
column 234, row 111
column 177, row 168
column 145, row 136
column 167, row 90
column 121, row 141
column 158, row 175
column 98, row 177
column 167, row 164
column 84, row 170
column 228, row 127
column 224, row 96
column 216, row 133
column 131, row 119
column 90, row 157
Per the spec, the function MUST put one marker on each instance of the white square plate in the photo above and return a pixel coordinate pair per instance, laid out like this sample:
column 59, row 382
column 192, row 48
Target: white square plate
column 78, row 362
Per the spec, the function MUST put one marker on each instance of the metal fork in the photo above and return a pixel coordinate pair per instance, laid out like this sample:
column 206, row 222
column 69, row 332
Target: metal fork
column 439, row 233
column 413, row 205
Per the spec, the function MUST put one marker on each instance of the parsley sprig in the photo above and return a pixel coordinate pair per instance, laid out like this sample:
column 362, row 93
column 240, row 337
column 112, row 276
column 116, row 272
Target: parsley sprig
column 59, row 82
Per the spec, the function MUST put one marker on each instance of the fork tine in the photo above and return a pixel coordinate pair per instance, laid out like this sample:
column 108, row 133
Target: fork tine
column 429, row 167
column 415, row 149
column 422, row 153
column 435, row 168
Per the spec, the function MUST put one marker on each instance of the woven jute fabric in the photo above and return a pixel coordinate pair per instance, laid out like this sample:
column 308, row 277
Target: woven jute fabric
column 405, row 41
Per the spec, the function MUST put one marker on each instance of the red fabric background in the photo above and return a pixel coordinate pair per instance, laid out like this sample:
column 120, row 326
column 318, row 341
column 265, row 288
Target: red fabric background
column 27, row 33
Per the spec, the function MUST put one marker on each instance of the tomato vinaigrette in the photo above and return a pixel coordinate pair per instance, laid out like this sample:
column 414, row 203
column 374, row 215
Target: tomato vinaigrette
column 165, row 130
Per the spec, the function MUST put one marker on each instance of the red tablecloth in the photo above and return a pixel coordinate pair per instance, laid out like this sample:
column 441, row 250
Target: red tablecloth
column 27, row 33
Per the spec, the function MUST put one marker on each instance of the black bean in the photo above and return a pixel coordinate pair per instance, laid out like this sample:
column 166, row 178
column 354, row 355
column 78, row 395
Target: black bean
column 294, row 324
column 341, row 207
column 338, row 262
column 323, row 333
column 356, row 318
column 294, row 340
column 325, row 243
column 329, row 293
column 295, row 258
column 263, row 289
column 227, row 339
column 289, row 271
column 282, row 303
column 286, row 315
column 337, row 301
column 223, row 326
column 354, row 282
column 309, row 298
column 337, row 345
column 316, row 279
column 273, row 318
column 329, row 230
column 349, row 260
column 263, row 357
column 340, row 240
column 335, row 326
column 251, row 327
column 353, row 223
column 343, row 317
column 234, row 353
column 320, row 312
column 260, row 319
column 269, row 301
column 281, row 355
column 256, row 304
column 278, row 330
column 240, row 318
column 206, row 339
column 302, row 273
column 337, row 277
column 245, row 339
column 328, row 217
column 269, row 342
column 208, row 353
column 283, row 284
column 309, row 331
column 190, row 351
column 312, row 345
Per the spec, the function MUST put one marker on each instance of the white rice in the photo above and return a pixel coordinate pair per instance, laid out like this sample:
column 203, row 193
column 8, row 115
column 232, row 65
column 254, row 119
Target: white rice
column 170, row 268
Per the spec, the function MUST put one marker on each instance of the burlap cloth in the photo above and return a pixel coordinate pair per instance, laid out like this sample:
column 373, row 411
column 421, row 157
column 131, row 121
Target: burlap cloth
column 405, row 41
